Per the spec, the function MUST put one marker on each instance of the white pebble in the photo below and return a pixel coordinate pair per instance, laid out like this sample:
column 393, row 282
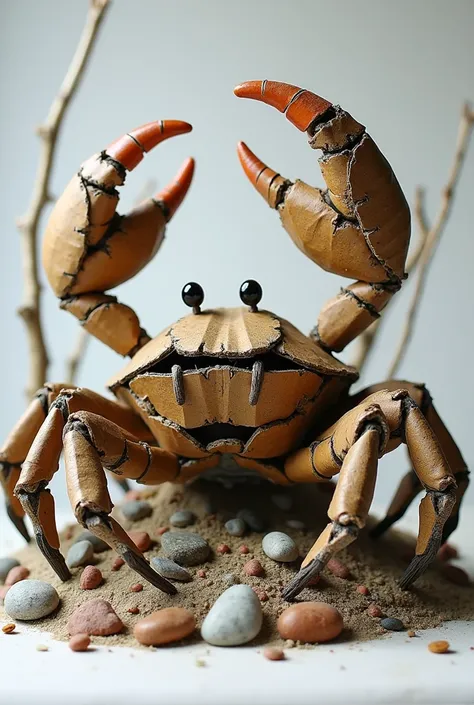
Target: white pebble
column 279, row 547
column 235, row 618
column 136, row 509
column 80, row 553
column 30, row 599
column 235, row 527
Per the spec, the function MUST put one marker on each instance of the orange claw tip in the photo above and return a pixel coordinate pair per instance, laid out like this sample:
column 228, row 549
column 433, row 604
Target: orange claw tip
column 251, row 164
column 130, row 148
column 172, row 195
column 300, row 106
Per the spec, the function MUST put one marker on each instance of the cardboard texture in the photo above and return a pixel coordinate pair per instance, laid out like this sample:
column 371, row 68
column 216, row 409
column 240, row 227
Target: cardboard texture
column 238, row 384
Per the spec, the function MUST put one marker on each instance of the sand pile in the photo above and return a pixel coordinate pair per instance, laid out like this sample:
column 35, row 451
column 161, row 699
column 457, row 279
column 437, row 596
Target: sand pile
column 375, row 565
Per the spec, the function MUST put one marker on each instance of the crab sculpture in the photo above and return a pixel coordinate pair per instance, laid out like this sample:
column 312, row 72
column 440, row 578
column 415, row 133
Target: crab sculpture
column 239, row 382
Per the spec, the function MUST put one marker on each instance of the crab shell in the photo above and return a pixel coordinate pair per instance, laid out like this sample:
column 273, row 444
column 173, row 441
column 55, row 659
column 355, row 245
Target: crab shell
column 216, row 351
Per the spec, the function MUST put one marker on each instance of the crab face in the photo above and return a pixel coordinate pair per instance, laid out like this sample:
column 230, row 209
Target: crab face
column 221, row 379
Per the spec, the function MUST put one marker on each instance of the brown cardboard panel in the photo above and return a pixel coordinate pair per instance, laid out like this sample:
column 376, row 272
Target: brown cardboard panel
column 221, row 395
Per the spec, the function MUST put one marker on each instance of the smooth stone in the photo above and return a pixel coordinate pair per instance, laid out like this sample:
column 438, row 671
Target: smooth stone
column 165, row 626
column 182, row 518
column 6, row 564
column 185, row 548
column 253, row 520
column 136, row 509
column 95, row 617
column 235, row 527
column 31, row 599
column 169, row 569
column 392, row 624
column 80, row 553
column 235, row 618
column 99, row 545
column 295, row 524
column 282, row 501
column 279, row 547
column 310, row 622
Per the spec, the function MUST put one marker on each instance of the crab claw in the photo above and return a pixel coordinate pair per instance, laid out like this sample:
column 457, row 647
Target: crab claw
column 88, row 247
column 300, row 106
column 129, row 149
column 360, row 226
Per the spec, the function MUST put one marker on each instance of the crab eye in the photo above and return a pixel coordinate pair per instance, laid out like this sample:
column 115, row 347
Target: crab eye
column 193, row 296
column 251, row 293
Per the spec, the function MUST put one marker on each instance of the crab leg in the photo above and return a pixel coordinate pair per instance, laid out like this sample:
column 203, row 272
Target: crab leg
column 89, row 248
column 359, row 227
column 352, row 447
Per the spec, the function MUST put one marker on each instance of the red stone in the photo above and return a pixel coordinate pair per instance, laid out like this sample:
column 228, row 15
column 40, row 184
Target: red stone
column 363, row 590
column 91, row 578
column 141, row 539
column 162, row 530
column 244, row 549
column 273, row 653
column 223, row 548
column 201, row 573
column 96, row 617
column 118, row 563
column 138, row 587
column 261, row 594
column 338, row 569
column 19, row 572
column 374, row 611
column 254, row 568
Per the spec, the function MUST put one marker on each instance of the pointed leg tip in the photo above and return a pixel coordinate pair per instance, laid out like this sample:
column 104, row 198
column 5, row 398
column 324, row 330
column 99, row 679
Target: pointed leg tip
column 248, row 89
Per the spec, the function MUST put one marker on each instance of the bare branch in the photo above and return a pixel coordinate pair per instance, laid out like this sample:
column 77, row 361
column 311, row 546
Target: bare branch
column 74, row 360
column 30, row 310
column 435, row 232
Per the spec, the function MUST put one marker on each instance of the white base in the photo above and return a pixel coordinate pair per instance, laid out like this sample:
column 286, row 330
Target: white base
column 395, row 669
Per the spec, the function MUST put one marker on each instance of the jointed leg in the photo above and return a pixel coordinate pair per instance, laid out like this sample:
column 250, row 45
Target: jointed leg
column 40, row 440
column 393, row 416
column 92, row 443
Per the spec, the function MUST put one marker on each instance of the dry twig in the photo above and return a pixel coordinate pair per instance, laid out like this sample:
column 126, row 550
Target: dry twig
column 434, row 234
column 423, row 252
column 30, row 310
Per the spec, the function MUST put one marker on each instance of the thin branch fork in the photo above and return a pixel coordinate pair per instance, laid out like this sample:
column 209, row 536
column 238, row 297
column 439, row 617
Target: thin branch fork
column 434, row 234
column 30, row 310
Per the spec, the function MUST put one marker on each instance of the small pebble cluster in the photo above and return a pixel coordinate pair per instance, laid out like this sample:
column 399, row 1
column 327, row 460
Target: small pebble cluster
column 235, row 618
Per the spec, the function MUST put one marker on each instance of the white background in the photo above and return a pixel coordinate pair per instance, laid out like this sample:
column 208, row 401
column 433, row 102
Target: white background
column 401, row 68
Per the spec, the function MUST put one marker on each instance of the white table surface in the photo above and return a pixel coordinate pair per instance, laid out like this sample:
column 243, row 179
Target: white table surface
column 394, row 669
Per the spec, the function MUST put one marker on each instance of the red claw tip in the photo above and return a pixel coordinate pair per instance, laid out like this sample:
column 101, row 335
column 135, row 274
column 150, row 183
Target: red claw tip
column 130, row 148
column 172, row 195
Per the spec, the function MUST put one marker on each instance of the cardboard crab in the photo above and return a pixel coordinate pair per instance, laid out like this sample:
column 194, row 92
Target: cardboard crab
column 241, row 382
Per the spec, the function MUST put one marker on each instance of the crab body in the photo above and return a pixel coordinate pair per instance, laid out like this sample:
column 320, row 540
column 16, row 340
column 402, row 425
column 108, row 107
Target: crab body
column 232, row 381
column 239, row 382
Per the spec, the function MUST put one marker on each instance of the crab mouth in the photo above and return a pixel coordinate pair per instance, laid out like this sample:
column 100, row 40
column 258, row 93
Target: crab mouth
column 210, row 433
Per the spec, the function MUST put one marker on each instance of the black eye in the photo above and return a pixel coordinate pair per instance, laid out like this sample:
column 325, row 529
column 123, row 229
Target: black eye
column 251, row 293
column 193, row 295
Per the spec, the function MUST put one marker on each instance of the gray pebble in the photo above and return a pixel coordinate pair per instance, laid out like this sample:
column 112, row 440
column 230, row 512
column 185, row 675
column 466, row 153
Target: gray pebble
column 136, row 509
column 30, row 599
column 169, row 569
column 279, row 547
column 235, row 618
column 6, row 564
column 282, row 501
column 253, row 520
column 235, row 527
column 97, row 543
column 392, row 624
column 230, row 579
column 185, row 548
column 295, row 524
column 80, row 553
column 182, row 518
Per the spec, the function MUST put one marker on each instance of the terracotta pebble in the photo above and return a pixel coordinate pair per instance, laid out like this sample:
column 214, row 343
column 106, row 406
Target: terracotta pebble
column 374, row 611
column 141, row 539
column 9, row 628
column 96, row 617
column 118, row 563
column 447, row 552
column 273, row 653
column 310, row 622
column 338, row 569
column 201, row 573
column 138, row 587
column 223, row 548
column 455, row 575
column 165, row 626
column 439, row 647
column 363, row 590
column 91, row 578
column 133, row 610
column 244, row 549
column 254, row 568
column 261, row 594
column 16, row 574
column 162, row 530
column 6, row 564
column 79, row 642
